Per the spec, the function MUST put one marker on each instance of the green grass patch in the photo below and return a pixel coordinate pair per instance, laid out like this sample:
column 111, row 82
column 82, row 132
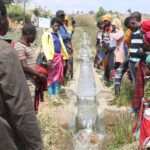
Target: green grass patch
column 125, row 97
column 120, row 131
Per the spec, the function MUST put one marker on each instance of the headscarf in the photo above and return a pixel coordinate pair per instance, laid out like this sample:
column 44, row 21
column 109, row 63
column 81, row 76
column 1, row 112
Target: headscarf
column 107, row 17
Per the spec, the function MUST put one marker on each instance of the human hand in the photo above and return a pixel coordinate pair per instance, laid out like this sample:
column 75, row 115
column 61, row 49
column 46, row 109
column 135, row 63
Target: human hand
column 42, row 77
column 136, row 65
column 69, row 45
column 51, row 64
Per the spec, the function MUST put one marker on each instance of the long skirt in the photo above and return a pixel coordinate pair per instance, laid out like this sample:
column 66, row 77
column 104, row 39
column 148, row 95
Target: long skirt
column 56, row 74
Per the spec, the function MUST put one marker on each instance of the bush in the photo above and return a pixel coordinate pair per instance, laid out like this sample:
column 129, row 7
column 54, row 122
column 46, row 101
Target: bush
column 100, row 13
column 15, row 12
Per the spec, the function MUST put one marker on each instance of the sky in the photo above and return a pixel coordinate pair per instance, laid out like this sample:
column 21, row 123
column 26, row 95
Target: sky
column 71, row 6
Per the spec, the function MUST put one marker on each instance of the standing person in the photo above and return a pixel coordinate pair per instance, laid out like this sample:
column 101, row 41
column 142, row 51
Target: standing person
column 27, row 57
column 65, row 36
column 73, row 22
column 139, row 82
column 55, row 52
column 107, row 48
column 69, row 27
column 35, row 22
column 124, row 66
column 35, row 18
column 70, row 50
column 98, row 61
column 18, row 124
column 118, row 36
column 141, row 129
column 136, row 42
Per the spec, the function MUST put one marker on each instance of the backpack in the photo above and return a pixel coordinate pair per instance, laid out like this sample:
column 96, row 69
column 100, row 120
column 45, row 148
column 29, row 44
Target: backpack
column 41, row 59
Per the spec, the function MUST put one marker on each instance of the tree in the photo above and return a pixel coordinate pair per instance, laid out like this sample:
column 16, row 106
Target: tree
column 8, row 2
column 129, row 11
column 24, row 2
column 43, row 12
column 100, row 12
column 116, row 12
column 91, row 12
column 110, row 12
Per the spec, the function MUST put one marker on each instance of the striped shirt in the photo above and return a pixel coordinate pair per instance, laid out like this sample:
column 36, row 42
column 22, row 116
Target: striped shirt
column 26, row 53
column 136, row 44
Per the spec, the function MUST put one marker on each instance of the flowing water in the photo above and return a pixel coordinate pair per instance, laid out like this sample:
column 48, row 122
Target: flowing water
column 89, row 126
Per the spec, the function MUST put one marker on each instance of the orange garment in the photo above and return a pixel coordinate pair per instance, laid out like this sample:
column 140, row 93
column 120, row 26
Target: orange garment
column 128, row 37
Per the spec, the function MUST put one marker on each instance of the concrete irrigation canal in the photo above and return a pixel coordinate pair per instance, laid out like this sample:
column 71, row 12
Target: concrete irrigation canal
column 89, row 126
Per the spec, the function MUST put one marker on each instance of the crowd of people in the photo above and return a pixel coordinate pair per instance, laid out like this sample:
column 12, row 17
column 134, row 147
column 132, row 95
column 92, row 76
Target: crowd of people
column 125, row 48
column 55, row 61
column 24, row 77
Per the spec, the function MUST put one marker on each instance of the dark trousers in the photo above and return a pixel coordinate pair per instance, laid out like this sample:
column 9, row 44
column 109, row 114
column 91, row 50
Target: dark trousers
column 109, row 66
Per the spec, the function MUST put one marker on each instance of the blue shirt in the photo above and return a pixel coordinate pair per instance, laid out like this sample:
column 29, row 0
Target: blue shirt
column 66, row 36
column 57, row 44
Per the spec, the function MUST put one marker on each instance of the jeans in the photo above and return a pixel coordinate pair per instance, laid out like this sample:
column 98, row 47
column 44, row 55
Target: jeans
column 133, row 70
column 120, row 72
column 53, row 89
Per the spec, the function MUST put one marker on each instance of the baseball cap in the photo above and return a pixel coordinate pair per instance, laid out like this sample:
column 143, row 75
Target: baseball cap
column 60, row 12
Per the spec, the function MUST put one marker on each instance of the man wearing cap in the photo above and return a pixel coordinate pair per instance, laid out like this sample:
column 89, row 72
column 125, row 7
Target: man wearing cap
column 18, row 124
column 63, row 31
column 66, row 36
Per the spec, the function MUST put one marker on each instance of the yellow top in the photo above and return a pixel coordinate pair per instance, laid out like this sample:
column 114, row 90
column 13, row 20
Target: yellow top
column 48, row 46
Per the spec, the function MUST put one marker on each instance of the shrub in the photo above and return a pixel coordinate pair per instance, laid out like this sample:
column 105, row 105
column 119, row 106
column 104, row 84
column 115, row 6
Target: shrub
column 15, row 12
